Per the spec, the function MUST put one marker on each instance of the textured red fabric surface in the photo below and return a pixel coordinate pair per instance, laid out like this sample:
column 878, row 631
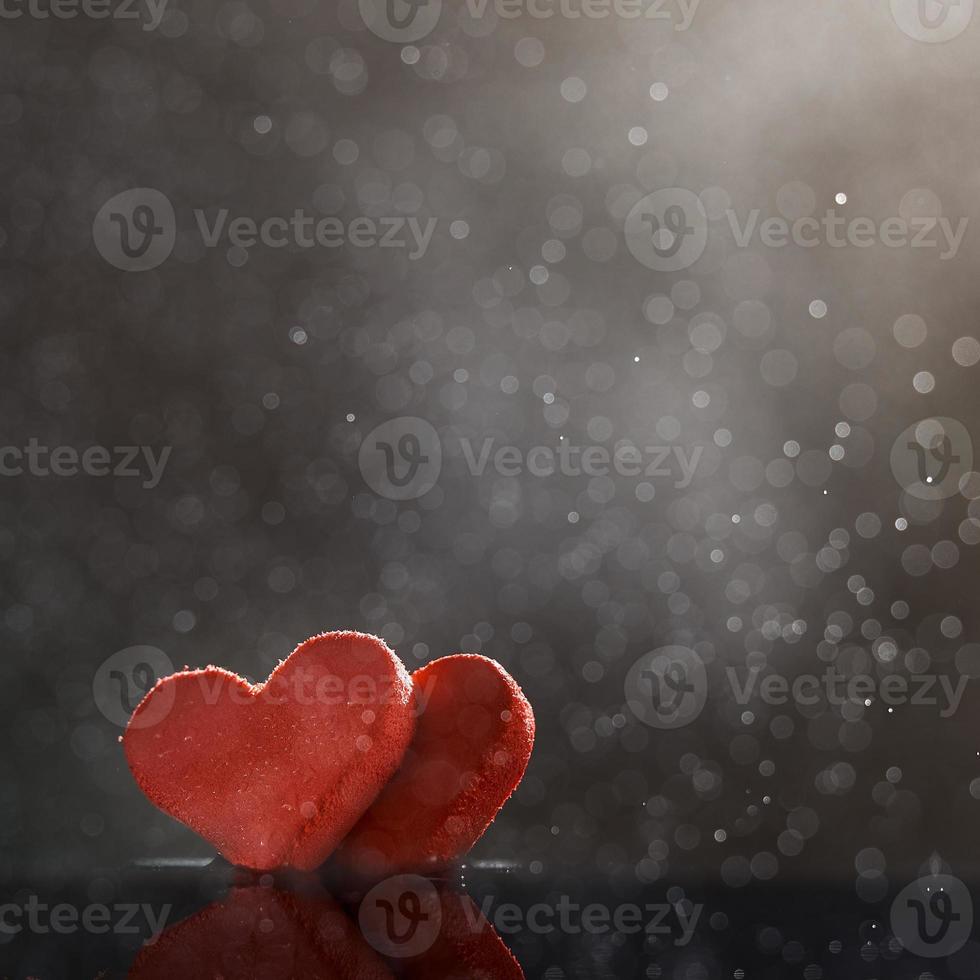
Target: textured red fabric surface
column 471, row 747
column 276, row 774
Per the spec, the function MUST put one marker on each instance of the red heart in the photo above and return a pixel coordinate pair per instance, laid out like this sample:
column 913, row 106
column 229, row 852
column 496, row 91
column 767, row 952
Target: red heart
column 470, row 750
column 276, row 774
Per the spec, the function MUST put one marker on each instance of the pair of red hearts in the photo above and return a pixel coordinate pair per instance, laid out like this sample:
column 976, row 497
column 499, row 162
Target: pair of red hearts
column 340, row 747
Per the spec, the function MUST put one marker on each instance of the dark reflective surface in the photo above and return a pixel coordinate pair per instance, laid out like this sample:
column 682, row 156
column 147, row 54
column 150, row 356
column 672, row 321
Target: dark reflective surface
column 208, row 920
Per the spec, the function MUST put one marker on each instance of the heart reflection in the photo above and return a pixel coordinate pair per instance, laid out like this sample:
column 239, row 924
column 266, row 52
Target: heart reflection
column 406, row 926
